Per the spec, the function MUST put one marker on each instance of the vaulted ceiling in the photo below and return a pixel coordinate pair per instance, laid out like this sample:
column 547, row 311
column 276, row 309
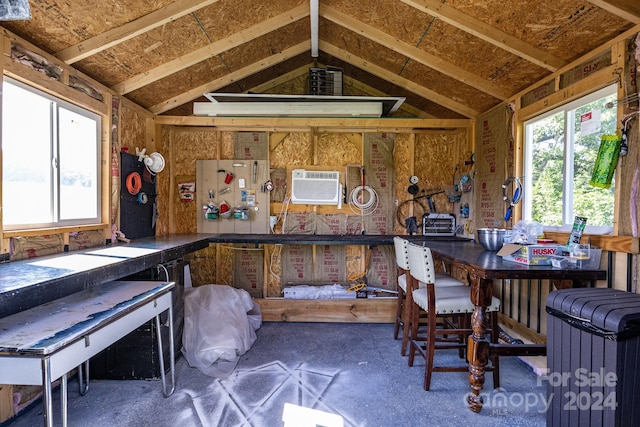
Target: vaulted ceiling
column 450, row 59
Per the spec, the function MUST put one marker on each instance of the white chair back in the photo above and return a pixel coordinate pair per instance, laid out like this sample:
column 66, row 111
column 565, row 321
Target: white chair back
column 421, row 263
column 400, row 246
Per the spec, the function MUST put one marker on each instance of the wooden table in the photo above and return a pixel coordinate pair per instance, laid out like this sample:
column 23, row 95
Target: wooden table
column 42, row 344
column 483, row 267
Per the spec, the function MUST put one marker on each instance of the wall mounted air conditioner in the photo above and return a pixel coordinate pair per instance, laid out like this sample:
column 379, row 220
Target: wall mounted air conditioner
column 315, row 187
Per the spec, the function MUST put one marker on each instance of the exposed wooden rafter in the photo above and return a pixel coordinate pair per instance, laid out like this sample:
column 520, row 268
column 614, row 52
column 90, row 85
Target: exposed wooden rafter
column 626, row 9
column 231, row 77
column 131, row 29
column 397, row 80
column 414, row 53
column 487, row 33
column 212, row 49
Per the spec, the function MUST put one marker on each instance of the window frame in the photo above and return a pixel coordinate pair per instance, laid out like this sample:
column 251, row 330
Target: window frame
column 568, row 170
column 84, row 111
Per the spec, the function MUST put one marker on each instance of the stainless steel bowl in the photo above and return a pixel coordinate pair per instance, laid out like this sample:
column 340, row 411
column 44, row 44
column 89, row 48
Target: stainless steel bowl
column 491, row 238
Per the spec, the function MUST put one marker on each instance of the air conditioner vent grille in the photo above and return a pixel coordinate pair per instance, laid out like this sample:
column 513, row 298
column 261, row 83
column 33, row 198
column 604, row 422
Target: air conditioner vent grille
column 315, row 187
column 322, row 175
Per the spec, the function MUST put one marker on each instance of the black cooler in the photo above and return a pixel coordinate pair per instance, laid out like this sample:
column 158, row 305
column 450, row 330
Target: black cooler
column 593, row 356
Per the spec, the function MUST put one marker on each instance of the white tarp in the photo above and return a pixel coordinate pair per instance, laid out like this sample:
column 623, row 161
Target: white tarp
column 219, row 326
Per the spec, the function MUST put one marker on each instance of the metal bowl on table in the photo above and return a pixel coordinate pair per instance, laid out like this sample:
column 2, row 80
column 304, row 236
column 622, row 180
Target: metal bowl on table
column 491, row 238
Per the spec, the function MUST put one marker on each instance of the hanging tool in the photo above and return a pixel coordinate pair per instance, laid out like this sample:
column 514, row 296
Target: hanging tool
column 517, row 194
column 254, row 173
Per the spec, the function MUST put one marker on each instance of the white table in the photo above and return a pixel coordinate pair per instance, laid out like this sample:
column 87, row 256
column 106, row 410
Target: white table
column 44, row 343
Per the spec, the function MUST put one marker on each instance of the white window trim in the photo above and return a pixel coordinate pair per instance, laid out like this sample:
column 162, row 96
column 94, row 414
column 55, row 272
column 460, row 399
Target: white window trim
column 61, row 224
column 568, row 166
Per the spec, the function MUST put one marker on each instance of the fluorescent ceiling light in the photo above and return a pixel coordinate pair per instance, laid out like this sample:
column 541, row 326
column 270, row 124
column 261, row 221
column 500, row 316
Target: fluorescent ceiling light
column 239, row 104
column 362, row 109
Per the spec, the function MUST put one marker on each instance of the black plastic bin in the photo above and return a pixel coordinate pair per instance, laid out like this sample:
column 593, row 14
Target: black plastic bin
column 593, row 356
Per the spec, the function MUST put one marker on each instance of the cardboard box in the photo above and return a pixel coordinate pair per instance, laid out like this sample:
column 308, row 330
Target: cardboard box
column 530, row 254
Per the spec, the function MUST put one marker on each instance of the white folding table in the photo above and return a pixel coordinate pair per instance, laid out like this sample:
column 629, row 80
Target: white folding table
column 44, row 343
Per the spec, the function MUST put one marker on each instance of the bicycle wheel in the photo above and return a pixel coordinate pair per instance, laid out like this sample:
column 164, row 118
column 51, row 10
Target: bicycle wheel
column 411, row 208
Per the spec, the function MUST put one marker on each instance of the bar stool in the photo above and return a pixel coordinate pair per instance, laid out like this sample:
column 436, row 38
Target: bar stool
column 452, row 301
column 404, row 301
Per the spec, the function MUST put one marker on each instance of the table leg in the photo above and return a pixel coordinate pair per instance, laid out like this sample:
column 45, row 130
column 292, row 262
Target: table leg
column 166, row 392
column 478, row 345
column 63, row 399
column 46, row 393
column 83, row 378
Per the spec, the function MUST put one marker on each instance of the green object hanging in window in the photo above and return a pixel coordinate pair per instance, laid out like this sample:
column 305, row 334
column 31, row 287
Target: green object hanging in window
column 606, row 161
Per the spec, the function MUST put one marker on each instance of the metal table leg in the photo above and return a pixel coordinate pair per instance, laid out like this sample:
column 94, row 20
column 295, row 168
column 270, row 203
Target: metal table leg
column 46, row 392
column 83, row 378
column 171, row 354
column 63, row 399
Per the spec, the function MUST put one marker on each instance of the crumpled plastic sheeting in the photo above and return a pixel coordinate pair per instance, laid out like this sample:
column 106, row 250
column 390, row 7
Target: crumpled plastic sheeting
column 219, row 326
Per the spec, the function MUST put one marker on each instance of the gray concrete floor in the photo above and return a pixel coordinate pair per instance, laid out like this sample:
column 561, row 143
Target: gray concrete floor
column 353, row 370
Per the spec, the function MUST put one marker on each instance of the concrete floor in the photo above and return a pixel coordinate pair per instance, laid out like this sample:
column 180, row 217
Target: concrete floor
column 353, row 370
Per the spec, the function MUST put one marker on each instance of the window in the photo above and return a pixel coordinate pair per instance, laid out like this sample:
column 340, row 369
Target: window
column 561, row 150
column 51, row 160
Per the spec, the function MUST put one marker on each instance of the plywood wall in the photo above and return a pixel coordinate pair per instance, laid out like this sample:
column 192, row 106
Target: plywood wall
column 433, row 156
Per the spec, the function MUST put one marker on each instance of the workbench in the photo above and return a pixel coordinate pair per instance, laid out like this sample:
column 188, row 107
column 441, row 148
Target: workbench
column 42, row 344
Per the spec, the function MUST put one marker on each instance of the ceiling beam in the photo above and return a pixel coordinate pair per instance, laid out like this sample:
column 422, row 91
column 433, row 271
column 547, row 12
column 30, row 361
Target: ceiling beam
column 281, row 124
column 397, row 80
column 117, row 35
column 213, row 49
column 625, row 9
column 231, row 77
column 414, row 53
column 487, row 33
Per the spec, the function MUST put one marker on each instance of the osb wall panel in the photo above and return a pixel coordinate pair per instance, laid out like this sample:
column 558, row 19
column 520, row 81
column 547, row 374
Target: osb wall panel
column 442, row 40
column 146, row 51
column 296, row 149
column 163, row 182
column 187, row 146
column 386, row 16
column 571, row 26
column 403, row 168
column 365, row 48
column 132, row 128
column 336, row 150
column 448, row 86
column 224, row 18
column 218, row 66
column 203, row 266
column 51, row 21
column 438, row 156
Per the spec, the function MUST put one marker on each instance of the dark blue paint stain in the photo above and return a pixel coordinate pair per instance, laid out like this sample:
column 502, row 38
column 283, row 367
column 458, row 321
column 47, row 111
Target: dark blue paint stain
column 89, row 325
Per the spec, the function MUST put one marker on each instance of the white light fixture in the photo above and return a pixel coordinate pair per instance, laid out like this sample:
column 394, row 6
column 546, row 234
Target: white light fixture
column 289, row 109
column 243, row 104
column 154, row 162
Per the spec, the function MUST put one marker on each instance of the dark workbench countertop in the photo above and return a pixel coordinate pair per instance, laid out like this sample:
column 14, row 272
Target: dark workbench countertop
column 31, row 282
